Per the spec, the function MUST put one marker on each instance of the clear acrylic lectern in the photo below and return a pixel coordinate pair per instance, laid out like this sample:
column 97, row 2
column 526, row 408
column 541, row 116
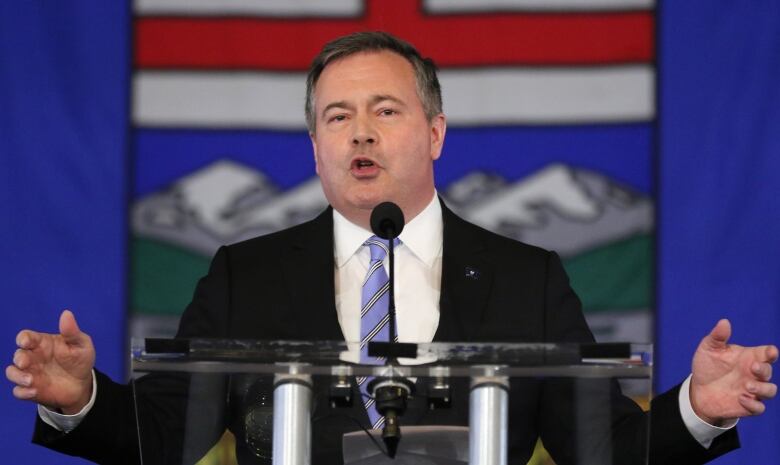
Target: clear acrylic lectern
column 297, row 403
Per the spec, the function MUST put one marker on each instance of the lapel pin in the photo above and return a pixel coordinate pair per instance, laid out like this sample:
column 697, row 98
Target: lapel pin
column 472, row 273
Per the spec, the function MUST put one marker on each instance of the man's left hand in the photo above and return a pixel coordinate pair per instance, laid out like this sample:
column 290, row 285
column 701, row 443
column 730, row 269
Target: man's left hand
column 730, row 381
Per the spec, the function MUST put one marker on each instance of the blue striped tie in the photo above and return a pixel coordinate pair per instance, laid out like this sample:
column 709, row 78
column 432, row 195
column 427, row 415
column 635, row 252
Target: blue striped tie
column 373, row 317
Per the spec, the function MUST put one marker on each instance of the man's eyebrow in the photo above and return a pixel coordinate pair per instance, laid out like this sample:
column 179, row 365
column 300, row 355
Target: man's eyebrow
column 339, row 104
column 343, row 104
column 381, row 98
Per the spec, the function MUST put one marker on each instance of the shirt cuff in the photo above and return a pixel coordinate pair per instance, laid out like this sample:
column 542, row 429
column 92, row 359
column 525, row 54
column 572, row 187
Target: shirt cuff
column 703, row 432
column 67, row 423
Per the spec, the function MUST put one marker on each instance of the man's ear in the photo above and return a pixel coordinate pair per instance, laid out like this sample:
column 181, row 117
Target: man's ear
column 438, row 131
column 314, row 151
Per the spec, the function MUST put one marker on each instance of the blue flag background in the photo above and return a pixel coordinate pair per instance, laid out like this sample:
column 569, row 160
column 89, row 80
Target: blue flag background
column 64, row 187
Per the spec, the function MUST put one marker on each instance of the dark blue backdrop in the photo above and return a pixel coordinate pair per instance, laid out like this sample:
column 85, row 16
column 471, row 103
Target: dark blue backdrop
column 63, row 171
column 719, row 228
column 63, row 125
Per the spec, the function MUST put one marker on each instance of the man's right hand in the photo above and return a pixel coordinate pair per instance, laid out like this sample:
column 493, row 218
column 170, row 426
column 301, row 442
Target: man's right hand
column 54, row 370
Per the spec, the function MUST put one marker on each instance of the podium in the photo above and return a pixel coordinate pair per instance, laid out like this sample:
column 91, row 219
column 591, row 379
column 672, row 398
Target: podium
column 297, row 402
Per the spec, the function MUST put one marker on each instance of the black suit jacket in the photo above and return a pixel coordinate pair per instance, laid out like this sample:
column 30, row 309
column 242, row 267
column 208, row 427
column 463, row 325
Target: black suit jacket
column 280, row 286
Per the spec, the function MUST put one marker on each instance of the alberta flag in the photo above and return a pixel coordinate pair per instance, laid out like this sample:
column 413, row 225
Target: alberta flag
column 637, row 138
column 551, row 115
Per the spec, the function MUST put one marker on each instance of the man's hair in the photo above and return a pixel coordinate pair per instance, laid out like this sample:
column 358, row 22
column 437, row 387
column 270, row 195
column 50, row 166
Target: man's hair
column 428, row 88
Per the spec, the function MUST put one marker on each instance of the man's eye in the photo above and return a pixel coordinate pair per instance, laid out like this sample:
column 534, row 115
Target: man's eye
column 338, row 118
column 387, row 112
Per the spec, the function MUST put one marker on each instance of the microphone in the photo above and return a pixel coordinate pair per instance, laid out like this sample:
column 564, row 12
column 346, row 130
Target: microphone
column 390, row 393
column 387, row 220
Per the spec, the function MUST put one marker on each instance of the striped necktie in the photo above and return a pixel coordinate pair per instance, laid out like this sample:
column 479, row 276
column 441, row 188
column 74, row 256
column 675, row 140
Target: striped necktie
column 374, row 317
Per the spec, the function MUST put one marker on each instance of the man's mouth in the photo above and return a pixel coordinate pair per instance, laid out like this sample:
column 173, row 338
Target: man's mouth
column 364, row 168
column 362, row 163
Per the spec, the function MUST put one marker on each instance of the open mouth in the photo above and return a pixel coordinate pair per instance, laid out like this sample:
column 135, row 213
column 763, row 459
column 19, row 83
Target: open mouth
column 362, row 163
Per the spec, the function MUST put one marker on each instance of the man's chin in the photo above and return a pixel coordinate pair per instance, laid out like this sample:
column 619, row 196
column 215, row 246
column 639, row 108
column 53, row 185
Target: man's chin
column 358, row 209
column 367, row 201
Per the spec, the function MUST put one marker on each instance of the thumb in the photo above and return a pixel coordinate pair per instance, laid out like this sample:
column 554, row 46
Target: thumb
column 69, row 329
column 719, row 335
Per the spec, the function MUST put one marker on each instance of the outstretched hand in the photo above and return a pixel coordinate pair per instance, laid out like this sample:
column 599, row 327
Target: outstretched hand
column 54, row 370
column 730, row 381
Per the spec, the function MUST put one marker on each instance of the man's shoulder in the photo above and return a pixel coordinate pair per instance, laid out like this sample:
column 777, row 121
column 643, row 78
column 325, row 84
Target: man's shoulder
column 458, row 229
column 317, row 229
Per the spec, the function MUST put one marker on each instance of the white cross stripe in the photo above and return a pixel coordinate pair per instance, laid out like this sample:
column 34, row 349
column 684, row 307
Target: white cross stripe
column 378, row 423
column 367, row 404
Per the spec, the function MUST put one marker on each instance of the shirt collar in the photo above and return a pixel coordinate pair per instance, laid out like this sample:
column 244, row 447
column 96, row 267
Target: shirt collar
column 423, row 235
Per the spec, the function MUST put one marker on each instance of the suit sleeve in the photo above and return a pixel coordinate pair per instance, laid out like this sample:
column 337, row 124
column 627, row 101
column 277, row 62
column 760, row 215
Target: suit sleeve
column 209, row 312
column 180, row 415
column 609, row 427
column 107, row 433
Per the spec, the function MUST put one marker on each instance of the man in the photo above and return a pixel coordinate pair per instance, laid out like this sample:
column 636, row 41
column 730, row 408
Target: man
column 375, row 118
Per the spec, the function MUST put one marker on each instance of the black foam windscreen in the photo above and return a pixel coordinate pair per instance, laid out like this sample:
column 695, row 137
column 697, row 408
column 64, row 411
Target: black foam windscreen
column 387, row 220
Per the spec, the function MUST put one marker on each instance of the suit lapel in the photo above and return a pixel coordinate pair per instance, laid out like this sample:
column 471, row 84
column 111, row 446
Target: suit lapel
column 310, row 264
column 466, row 280
column 465, row 284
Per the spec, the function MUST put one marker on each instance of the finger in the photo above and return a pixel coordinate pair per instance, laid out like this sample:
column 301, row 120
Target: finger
column 753, row 406
column 25, row 393
column 69, row 329
column 771, row 353
column 763, row 371
column 17, row 376
column 21, row 358
column 719, row 335
column 762, row 390
column 27, row 339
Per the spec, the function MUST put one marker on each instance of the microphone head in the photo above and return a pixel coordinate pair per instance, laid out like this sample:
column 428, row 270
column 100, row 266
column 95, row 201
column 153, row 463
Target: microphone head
column 387, row 220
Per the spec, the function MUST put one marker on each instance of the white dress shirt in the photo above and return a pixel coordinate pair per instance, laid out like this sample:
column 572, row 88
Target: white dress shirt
column 417, row 277
column 418, row 262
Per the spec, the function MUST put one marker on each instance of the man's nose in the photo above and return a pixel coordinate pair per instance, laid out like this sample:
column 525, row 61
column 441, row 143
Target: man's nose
column 364, row 132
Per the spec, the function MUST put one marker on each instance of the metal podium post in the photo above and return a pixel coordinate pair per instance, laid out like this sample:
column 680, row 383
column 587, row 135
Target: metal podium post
column 488, row 420
column 292, row 419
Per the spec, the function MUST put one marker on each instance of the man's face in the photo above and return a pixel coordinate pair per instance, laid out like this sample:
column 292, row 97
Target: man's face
column 373, row 142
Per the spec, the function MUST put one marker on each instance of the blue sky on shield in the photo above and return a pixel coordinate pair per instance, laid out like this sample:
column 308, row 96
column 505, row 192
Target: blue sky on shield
column 623, row 152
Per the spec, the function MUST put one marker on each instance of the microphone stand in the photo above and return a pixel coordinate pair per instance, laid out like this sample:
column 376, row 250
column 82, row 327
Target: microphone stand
column 393, row 337
column 391, row 393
